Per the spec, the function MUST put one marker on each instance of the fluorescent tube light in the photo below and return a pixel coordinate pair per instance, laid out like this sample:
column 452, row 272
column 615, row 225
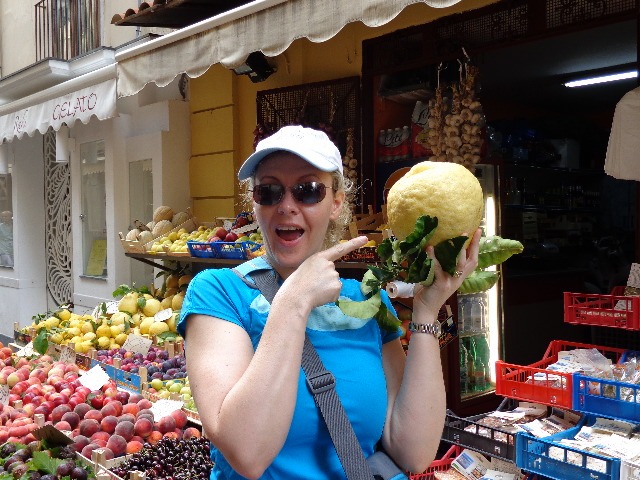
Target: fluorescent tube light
column 601, row 79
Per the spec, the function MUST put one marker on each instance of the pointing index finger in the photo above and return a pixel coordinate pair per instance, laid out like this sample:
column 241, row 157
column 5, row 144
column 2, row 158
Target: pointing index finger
column 341, row 249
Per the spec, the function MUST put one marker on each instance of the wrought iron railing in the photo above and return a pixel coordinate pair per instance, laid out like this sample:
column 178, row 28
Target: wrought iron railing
column 66, row 29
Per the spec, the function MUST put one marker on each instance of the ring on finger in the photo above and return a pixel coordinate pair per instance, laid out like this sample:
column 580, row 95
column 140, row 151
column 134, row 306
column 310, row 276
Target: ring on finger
column 457, row 273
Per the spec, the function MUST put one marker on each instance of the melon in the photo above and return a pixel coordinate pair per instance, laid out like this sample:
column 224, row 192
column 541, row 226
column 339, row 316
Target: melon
column 132, row 235
column 162, row 228
column 162, row 213
column 145, row 237
column 179, row 218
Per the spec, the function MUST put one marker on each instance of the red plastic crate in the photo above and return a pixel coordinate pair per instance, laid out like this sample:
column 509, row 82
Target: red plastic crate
column 441, row 465
column 614, row 310
column 551, row 388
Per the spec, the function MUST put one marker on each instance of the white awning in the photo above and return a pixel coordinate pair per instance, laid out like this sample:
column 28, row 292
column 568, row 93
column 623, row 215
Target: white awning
column 269, row 26
column 92, row 94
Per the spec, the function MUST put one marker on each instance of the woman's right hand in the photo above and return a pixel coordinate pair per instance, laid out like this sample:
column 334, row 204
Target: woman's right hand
column 316, row 279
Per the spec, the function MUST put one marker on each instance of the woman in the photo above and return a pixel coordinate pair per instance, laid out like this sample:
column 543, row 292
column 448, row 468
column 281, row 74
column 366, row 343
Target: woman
column 244, row 355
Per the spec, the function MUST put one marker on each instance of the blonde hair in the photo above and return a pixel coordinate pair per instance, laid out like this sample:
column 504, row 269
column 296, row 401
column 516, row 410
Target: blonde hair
column 337, row 227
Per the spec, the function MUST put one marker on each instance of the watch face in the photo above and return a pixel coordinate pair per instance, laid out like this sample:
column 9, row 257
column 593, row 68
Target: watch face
column 437, row 328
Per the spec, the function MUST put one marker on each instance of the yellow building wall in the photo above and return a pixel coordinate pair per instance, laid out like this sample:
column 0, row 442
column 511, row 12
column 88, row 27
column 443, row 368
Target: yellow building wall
column 223, row 105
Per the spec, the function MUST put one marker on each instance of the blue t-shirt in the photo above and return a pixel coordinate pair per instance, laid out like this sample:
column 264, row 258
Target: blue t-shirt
column 349, row 347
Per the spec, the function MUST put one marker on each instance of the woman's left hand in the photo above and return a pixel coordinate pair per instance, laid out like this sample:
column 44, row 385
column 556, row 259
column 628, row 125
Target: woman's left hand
column 444, row 285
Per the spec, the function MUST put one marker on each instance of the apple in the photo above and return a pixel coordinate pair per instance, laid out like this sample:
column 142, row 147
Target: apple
column 122, row 396
column 231, row 237
column 240, row 222
column 96, row 400
column 214, row 238
column 13, row 379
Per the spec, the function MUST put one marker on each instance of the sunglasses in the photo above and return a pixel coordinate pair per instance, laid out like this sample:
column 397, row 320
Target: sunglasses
column 307, row 193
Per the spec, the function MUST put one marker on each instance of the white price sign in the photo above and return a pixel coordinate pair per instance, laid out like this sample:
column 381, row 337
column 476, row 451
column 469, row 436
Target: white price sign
column 164, row 407
column 4, row 394
column 94, row 379
column 163, row 315
column 67, row 355
column 26, row 351
column 137, row 344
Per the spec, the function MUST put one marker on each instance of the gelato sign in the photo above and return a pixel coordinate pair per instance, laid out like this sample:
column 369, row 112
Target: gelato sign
column 98, row 100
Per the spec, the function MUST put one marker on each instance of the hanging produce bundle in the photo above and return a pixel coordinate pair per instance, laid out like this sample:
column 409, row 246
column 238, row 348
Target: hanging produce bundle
column 438, row 204
column 454, row 127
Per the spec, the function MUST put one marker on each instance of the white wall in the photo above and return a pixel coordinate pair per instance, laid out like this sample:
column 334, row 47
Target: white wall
column 159, row 131
column 23, row 288
column 17, row 31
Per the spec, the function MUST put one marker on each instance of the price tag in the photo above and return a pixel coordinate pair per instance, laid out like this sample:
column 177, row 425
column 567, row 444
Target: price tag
column 162, row 408
column 163, row 315
column 67, row 355
column 4, row 394
column 112, row 307
column 26, row 351
column 94, row 379
column 137, row 344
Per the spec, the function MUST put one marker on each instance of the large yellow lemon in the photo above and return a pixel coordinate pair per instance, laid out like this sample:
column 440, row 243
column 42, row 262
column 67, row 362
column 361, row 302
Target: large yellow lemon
column 439, row 189
column 157, row 328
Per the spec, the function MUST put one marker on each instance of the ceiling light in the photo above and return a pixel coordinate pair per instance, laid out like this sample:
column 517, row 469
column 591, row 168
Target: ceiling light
column 602, row 79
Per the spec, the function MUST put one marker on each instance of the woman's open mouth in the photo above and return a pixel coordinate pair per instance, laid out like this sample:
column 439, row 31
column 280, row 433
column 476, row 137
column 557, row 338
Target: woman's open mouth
column 289, row 234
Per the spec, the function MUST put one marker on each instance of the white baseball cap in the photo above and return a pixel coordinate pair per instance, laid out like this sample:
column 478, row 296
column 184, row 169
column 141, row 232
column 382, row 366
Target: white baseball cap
column 314, row 146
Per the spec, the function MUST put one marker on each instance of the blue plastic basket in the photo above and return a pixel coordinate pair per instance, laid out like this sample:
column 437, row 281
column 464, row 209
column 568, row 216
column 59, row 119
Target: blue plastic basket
column 532, row 455
column 229, row 250
column 606, row 398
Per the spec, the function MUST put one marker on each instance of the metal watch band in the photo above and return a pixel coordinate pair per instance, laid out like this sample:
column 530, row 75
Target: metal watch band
column 432, row 328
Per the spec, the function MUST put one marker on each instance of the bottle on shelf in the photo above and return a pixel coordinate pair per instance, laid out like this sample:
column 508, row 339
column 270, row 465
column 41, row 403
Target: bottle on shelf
column 464, row 374
column 479, row 369
column 483, row 352
column 477, row 314
column 463, row 312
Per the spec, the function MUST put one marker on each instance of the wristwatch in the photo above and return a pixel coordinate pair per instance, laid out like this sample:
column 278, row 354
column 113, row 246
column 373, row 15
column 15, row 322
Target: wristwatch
column 433, row 328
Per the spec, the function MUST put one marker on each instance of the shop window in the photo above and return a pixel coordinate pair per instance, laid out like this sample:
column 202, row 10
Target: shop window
column 94, row 223
column 6, row 214
column 141, row 207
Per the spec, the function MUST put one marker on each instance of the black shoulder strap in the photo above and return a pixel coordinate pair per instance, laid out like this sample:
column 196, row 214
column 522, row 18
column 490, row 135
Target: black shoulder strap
column 321, row 383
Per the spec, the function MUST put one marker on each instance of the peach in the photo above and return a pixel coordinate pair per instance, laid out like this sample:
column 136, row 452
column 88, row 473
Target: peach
column 125, row 430
column 108, row 423
column 131, row 408
column 93, row 415
column 135, row 398
column 63, row 426
column 144, row 404
column 108, row 453
column 58, row 412
column 180, row 417
column 137, row 439
column 87, row 449
column 100, row 441
column 117, row 444
column 109, row 409
column 143, row 427
column 133, row 446
column 172, row 435
column 154, row 437
column 166, row 424
column 79, row 442
column 191, row 432
column 81, row 409
column 104, row 436
column 127, row 417
column 88, row 427
column 72, row 418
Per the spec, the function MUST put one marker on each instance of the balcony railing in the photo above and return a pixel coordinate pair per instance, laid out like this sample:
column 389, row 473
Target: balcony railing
column 66, row 29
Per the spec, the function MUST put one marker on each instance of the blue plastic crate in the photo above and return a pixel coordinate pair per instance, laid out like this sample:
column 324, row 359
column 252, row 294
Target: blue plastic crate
column 606, row 398
column 532, row 455
column 229, row 250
